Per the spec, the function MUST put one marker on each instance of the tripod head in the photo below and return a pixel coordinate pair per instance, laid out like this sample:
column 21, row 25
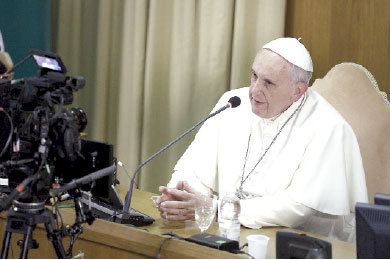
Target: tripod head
column 27, row 213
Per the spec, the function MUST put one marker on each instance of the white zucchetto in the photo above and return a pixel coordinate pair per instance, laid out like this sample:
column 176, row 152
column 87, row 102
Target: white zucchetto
column 293, row 51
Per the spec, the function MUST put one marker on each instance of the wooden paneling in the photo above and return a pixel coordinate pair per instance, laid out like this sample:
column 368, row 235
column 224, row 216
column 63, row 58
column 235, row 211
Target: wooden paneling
column 336, row 31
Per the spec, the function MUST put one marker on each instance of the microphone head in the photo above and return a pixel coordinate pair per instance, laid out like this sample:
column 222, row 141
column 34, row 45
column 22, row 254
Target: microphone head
column 234, row 101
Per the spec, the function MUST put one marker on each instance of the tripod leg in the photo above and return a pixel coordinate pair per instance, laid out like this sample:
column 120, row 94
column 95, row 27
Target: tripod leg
column 6, row 241
column 26, row 243
column 55, row 238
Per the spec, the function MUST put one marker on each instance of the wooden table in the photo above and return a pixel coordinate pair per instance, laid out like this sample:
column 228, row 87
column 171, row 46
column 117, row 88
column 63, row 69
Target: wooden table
column 110, row 240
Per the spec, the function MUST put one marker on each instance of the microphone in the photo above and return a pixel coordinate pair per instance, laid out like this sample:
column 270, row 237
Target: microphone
column 233, row 102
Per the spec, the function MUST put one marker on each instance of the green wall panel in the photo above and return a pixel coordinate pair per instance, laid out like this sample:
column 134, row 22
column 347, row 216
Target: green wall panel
column 25, row 25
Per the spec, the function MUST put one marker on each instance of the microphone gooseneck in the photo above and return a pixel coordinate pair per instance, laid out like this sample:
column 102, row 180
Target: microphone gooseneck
column 233, row 102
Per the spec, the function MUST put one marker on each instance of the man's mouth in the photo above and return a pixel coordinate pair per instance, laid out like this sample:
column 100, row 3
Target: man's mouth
column 257, row 102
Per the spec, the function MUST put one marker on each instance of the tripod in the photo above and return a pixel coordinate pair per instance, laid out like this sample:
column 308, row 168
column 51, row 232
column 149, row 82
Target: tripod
column 23, row 219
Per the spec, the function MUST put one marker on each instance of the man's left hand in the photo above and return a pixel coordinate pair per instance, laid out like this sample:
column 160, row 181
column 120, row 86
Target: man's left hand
column 177, row 203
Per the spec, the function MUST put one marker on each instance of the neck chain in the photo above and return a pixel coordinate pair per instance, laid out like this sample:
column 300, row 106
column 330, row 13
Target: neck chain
column 240, row 192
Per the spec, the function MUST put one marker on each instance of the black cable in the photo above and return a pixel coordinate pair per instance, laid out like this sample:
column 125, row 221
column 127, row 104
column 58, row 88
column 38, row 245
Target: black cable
column 163, row 242
column 172, row 236
column 242, row 252
column 53, row 210
column 10, row 132
column 57, row 214
column 73, row 239
column 43, row 162
column 243, row 246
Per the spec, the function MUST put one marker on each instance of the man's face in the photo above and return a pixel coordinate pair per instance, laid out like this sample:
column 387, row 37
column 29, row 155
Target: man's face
column 271, row 90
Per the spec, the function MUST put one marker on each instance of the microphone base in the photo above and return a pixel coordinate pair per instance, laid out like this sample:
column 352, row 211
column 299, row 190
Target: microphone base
column 115, row 214
column 134, row 218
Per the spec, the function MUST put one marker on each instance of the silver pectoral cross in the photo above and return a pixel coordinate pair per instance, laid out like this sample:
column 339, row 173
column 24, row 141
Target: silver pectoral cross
column 241, row 194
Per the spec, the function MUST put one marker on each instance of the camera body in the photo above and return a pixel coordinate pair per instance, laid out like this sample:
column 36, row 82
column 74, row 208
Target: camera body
column 37, row 131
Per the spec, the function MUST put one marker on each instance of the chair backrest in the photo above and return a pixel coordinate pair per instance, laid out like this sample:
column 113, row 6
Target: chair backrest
column 353, row 91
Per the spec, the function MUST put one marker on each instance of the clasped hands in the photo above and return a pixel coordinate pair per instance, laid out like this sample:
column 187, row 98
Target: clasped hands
column 177, row 203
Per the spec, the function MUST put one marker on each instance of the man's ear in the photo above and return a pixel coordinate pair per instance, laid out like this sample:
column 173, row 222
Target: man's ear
column 299, row 89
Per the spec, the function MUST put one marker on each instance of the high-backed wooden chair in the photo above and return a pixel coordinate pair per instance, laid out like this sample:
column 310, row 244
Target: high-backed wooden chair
column 353, row 91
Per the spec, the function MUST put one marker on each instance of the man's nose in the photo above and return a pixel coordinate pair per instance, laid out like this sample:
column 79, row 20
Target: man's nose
column 257, row 86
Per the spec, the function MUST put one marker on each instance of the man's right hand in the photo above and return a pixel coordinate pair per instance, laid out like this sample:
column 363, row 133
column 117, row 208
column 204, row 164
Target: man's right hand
column 177, row 203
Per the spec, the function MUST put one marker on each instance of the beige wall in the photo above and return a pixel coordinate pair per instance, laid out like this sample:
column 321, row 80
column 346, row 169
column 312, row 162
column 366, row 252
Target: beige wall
column 338, row 31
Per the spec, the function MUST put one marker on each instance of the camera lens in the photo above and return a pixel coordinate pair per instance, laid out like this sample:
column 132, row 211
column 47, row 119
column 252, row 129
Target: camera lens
column 81, row 117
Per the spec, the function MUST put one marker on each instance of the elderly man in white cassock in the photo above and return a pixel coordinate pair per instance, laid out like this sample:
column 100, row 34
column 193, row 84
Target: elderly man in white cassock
column 289, row 156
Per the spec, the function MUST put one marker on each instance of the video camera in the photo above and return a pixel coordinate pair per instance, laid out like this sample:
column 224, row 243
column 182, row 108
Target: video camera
column 37, row 132
column 43, row 156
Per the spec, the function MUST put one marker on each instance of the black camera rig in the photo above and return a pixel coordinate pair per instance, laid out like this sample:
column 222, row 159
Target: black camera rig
column 43, row 156
column 37, row 130
column 38, row 136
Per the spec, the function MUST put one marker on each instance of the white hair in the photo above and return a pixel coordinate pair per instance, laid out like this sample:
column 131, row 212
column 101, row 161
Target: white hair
column 298, row 74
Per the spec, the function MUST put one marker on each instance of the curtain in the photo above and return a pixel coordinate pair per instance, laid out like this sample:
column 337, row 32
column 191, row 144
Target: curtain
column 89, row 37
column 156, row 67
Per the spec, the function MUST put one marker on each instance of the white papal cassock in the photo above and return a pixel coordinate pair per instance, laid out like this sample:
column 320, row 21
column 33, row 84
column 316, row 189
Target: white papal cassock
column 310, row 178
